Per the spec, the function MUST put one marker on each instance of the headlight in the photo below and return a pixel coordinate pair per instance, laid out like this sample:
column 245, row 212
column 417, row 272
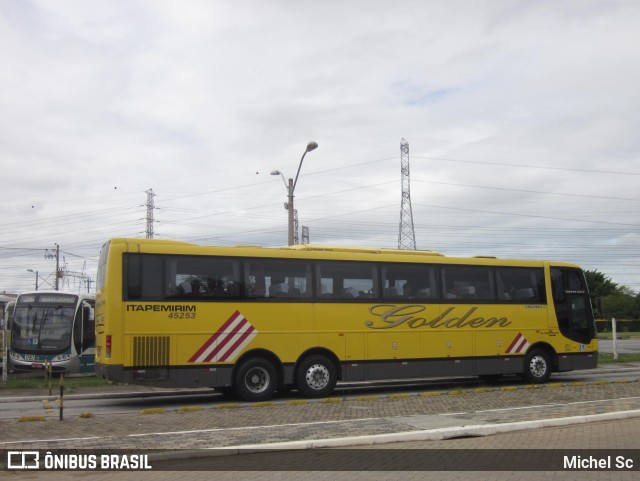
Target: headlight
column 61, row 357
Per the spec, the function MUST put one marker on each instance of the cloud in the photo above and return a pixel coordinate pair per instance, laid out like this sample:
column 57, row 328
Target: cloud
column 521, row 118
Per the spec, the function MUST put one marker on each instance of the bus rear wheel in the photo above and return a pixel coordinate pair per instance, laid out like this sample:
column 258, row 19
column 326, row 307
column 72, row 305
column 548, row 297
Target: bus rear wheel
column 255, row 380
column 316, row 377
column 537, row 367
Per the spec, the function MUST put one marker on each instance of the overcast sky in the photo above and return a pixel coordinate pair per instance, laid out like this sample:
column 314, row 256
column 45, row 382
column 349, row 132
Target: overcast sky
column 522, row 119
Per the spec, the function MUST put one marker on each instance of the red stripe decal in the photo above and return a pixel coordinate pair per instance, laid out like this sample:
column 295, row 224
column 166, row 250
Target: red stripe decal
column 212, row 339
column 515, row 341
column 236, row 344
column 226, row 340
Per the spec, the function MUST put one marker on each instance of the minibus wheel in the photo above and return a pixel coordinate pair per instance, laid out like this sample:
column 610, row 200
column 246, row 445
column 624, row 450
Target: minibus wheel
column 255, row 380
column 316, row 377
column 537, row 366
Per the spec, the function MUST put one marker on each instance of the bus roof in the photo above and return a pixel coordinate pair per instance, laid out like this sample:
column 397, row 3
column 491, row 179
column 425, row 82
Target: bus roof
column 317, row 251
column 297, row 247
column 50, row 292
column 360, row 250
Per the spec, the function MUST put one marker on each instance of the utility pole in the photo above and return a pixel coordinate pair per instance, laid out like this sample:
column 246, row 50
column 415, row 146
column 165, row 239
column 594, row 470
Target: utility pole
column 406, row 235
column 48, row 255
column 291, row 238
column 305, row 234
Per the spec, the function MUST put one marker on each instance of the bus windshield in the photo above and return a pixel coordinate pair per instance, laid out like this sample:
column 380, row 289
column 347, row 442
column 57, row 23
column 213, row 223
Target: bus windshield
column 42, row 328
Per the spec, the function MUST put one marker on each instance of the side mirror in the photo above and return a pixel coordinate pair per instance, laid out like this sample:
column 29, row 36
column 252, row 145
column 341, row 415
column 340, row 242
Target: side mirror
column 88, row 312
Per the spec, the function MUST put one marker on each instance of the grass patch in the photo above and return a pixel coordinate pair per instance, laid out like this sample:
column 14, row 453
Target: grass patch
column 606, row 358
column 619, row 335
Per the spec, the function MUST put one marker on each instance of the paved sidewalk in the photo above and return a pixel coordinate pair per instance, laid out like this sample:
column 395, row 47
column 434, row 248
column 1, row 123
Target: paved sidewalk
column 338, row 421
column 613, row 436
column 577, row 415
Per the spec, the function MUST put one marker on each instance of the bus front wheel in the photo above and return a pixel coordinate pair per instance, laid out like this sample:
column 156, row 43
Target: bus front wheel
column 316, row 377
column 537, row 367
column 255, row 380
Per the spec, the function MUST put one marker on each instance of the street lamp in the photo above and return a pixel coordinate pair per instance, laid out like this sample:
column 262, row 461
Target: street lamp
column 292, row 186
column 36, row 273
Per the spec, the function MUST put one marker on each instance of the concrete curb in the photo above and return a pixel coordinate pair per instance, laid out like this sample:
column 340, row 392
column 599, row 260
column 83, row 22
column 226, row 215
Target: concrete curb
column 431, row 434
column 438, row 434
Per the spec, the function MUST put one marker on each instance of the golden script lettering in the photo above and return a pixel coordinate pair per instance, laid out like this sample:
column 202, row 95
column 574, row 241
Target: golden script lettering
column 412, row 315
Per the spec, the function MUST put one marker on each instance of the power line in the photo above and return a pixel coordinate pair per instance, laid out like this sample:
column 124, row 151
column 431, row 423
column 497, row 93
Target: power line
column 529, row 166
column 526, row 191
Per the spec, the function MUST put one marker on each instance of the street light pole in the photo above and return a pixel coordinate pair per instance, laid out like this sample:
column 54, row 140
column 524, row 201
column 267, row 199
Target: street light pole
column 291, row 186
column 36, row 273
column 290, row 212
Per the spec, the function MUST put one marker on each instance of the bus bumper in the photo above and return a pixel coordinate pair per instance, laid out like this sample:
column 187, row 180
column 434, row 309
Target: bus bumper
column 573, row 362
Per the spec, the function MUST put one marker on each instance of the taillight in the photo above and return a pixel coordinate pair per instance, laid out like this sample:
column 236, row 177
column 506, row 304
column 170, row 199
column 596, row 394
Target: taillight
column 108, row 346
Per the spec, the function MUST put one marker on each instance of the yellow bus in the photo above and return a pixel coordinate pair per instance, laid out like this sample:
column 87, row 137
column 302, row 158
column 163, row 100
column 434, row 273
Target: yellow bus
column 255, row 320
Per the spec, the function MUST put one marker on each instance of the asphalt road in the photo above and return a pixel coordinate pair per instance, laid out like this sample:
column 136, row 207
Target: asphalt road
column 134, row 400
column 623, row 346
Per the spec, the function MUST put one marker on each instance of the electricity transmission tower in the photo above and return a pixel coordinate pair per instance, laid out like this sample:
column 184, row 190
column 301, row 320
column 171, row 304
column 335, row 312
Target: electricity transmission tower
column 406, row 236
column 296, row 238
column 150, row 207
column 81, row 279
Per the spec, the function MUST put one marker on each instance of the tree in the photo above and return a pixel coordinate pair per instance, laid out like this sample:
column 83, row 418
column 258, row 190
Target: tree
column 599, row 284
column 620, row 304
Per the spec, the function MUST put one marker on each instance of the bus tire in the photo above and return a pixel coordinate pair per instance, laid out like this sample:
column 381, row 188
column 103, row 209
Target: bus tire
column 316, row 377
column 255, row 380
column 537, row 366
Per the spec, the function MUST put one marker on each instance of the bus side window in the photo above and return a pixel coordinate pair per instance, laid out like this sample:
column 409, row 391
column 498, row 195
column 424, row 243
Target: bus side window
column 347, row 280
column 143, row 275
column 132, row 276
column 557, row 285
column 408, row 282
column 201, row 278
column 282, row 279
column 520, row 285
column 468, row 282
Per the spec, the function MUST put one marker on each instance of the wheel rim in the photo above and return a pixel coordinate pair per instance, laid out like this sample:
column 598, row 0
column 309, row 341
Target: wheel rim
column 538, row 366
column 317, row 376
column 257, row 380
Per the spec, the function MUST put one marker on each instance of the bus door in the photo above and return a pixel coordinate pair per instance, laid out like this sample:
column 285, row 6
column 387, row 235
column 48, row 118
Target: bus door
column 84, row 338
column 572, row 304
